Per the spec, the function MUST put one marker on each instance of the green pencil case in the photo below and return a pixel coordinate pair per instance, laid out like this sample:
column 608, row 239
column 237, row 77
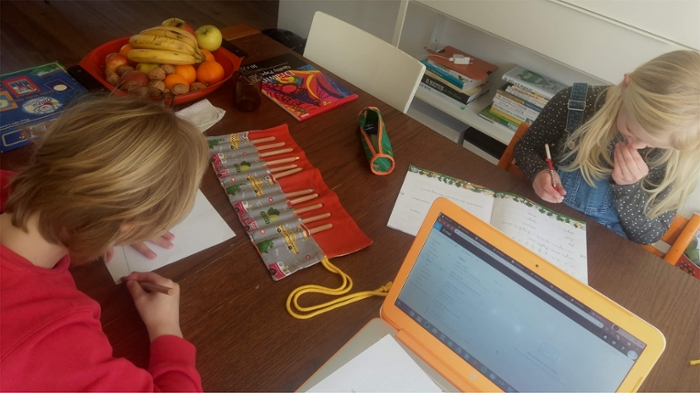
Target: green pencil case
column 375, row 141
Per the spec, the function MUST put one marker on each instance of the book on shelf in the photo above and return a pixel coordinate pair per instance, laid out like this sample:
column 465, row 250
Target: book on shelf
column 449, row 99
column 533, row 82
column 298, row 87
column 477, row 69
column 515, row 107
column 487, row 115
column 456, row 79
column 530, row 97
column 497, row 110
column 447, row 89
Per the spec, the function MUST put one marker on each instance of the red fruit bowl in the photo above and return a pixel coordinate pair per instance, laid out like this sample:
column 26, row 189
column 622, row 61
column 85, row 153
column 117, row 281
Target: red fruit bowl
column 94, row 64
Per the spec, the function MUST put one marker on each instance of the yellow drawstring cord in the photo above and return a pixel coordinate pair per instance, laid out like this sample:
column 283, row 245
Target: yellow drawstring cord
column 694, row 362
column 345, row 287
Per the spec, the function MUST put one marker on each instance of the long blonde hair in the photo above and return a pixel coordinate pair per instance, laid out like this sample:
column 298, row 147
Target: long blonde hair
column 110, row 171
column 663, row 95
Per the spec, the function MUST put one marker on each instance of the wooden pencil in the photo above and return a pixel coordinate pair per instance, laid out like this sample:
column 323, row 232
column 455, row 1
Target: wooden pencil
column 263, row 140
column 321, row 228
column 151, row 287
column 309, row 220
column 282, row 161
column 287, row 173
column 299, row 193
column 308, row 208
column 282, row 168
column 270, row 146
column 303, row 199
column 275, row 152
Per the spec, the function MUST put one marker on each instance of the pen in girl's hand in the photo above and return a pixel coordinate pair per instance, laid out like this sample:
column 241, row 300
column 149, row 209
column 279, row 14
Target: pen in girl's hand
column 551, row 167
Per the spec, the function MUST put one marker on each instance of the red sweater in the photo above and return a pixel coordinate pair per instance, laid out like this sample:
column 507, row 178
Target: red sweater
column 51, row 338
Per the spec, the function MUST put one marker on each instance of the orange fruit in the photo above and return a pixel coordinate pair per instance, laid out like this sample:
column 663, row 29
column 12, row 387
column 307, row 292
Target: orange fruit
column 188, row 72
column 174, row 79
column 124, row 51
column 208, row 55
column 210, row 72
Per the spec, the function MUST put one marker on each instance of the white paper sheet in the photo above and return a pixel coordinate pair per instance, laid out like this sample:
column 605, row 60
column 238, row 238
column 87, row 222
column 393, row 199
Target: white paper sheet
column 419, row 192
column 383, row 367
column 201, row 229
column 558, row 242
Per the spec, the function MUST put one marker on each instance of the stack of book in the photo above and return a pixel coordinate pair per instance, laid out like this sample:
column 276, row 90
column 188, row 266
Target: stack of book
column 521, row 99
column 459, row 84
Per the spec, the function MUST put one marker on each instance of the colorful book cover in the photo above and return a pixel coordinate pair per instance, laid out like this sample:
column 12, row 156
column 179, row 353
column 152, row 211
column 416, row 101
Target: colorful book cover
column 298, row 87
column 487, row 115
column 441, row 85
column 515, row 106
column 467, row 83
column 31, row 97
column 533, row 82
column 458, row 83
column 534, row 99
column 498, row 111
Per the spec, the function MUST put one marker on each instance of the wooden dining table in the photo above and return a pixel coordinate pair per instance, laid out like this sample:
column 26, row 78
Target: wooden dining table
column 234, row 313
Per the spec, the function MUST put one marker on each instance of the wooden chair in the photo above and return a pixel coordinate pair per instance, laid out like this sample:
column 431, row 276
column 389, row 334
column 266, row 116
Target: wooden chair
column 678, row 237
column 507, row 161
column 364, row 60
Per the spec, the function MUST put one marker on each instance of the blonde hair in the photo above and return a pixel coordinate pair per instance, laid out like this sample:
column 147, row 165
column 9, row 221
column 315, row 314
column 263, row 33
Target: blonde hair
column 663, row 95
column 110, row 171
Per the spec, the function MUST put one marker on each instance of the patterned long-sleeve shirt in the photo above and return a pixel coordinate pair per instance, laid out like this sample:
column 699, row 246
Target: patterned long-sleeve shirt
column 629, row 200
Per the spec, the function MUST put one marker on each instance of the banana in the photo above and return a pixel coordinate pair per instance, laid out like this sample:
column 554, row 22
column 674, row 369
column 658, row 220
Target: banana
column 172, row 32
column 160, row 57
column 142, row 41
column 177, row 34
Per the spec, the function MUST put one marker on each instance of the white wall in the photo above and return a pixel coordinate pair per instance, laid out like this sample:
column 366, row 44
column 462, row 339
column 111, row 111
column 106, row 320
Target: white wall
column 376, row 17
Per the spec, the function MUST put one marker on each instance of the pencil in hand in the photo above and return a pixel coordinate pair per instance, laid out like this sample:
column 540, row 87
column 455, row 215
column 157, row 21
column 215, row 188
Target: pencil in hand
column 551, row 166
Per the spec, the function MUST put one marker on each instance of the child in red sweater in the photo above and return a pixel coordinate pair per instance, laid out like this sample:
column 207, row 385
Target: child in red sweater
column 111, row 171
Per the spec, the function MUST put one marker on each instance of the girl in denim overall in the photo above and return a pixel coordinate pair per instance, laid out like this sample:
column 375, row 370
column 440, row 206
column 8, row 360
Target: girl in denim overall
column 627, row 155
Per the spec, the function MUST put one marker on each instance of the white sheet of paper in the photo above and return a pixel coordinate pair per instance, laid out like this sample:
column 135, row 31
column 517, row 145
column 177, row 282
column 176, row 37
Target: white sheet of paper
column 201, row 229
column 418, row 193
column 555, row 241
column 383, row 367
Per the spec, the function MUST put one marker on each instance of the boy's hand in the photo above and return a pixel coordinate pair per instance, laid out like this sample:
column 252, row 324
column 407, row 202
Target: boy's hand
column 160, row 312
column 629, row 167
column 164, row 241
column 543, row 187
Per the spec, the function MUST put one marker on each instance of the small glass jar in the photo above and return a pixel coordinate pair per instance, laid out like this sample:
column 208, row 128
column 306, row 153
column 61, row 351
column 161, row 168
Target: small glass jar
column 248, row 92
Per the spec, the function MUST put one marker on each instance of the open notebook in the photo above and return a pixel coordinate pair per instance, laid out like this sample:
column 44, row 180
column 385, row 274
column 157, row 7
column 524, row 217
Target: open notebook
column 557, row 238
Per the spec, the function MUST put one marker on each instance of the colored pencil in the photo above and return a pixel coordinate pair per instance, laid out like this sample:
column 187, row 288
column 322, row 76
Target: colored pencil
column 271, row 146
column 309, row 220
column 287, row 173
column 299, row 193
column 282, row 161
column 263, row 140
column 151, row 287
column 282, row 168
column 303, row 199
column 308, row 208
column 321, row 228
column 275, row 152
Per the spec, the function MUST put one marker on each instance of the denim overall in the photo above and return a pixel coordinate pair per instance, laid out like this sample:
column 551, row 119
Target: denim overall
column 597, row 201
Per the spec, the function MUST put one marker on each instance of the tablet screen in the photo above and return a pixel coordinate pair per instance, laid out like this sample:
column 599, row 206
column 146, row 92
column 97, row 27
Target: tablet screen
column 510, row 324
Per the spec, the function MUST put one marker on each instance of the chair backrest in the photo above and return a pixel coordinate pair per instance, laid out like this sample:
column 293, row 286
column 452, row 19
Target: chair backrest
column 364, row 60
column 507, row 161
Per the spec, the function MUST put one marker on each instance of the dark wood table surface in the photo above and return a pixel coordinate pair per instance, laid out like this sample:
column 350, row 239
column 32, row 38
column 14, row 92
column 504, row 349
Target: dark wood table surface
column 235, row 315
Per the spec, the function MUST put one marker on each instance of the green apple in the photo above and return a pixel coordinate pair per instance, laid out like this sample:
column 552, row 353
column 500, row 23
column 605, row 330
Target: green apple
column 208, row 37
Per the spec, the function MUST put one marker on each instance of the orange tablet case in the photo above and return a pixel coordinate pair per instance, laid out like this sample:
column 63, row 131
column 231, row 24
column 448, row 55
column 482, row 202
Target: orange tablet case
column 459, row 372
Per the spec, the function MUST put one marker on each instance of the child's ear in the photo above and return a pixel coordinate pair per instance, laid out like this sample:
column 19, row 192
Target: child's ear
column 626, row 81
column 127, row 226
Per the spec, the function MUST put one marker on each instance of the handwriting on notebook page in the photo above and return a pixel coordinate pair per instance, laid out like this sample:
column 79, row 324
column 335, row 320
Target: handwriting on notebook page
column 543, row 232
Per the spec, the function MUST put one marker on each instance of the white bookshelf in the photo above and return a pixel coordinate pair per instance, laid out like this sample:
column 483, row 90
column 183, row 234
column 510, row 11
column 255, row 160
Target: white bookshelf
column 468, row 114
column 425, row 27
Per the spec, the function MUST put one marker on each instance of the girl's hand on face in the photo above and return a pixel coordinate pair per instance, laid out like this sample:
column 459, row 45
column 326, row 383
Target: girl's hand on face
column 164, row 241
column 160, row 312
column 543, row 187
column 629, row 166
